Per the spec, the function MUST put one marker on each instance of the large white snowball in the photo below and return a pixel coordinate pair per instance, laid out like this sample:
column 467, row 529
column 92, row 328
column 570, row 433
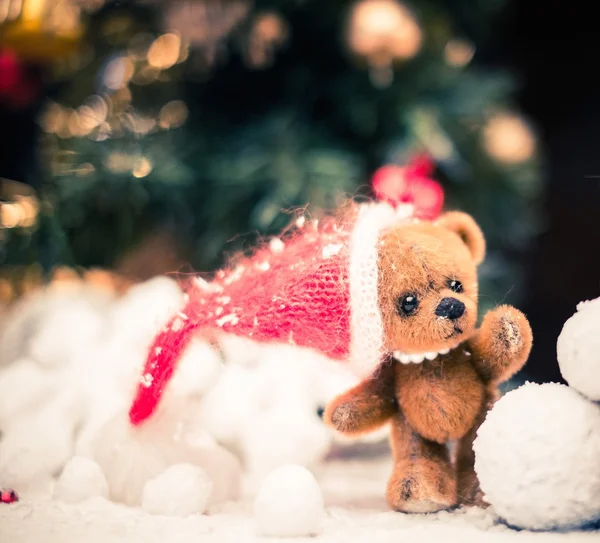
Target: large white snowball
column 80, row 480
column 289, row 504
column 537, row 457
column 180, row 491
column 578, row 349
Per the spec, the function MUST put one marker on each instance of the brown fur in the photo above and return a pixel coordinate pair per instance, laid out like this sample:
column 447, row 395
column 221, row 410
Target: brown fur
column 445, row 399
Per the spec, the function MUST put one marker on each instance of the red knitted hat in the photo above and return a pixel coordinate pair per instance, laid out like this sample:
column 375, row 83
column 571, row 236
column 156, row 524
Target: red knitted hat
column 315, row 287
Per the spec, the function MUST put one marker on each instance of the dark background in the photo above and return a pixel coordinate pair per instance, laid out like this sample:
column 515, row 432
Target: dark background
column 554, row 48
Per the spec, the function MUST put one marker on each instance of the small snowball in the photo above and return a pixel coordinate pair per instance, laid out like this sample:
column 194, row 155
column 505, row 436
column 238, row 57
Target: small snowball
column 81, row 480
column 578, row 349
column 536, row 456
column 131, row 456
column 289, row 504
column 35, row 446
column 181, row 490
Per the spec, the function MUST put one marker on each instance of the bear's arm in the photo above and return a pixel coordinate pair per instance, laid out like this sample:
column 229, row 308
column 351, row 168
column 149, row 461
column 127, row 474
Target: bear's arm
column 502, row 345
column 365, row 407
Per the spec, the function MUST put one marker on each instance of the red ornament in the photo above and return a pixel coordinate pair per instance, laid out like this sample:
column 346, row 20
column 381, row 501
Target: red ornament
column 11, row 71
column 8, row 495
column 19, row 85
column 410, row 185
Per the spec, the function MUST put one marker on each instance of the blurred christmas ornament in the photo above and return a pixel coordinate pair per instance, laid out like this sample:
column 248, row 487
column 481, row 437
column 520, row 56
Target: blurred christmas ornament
column 41, row 31
column 383, row 32
column 20, row 85
column 509, row 139
column 410, row 184
column 269, row 32
column 8, row 495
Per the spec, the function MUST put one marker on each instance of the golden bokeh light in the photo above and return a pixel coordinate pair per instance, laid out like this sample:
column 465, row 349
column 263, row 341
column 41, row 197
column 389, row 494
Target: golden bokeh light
column 142, row 168
column 269, row 32
column 383, row 31
column 119, row 162
column 164, row 51
column 459, row 52
column 11, row 215
column 173, row 114
column 85, row 169
column 509, row 139
column 118, row 72
column 53, row 118
column 29, row 210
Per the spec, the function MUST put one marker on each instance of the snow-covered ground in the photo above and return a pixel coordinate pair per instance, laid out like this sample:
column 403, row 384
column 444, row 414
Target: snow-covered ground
column 354, row 500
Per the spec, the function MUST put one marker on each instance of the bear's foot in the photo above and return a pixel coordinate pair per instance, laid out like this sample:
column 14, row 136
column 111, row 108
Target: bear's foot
column 422, row 486
column 469, row 491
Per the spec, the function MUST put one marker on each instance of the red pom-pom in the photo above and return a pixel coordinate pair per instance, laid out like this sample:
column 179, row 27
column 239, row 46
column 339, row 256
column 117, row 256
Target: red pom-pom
column 8, row 495
column 410, row 185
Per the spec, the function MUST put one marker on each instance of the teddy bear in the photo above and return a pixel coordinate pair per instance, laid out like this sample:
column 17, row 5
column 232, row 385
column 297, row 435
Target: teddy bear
column 554, row 481
column 442, row 372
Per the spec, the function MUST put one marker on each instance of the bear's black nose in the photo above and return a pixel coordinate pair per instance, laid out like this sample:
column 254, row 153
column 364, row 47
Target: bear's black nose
column 450, row 308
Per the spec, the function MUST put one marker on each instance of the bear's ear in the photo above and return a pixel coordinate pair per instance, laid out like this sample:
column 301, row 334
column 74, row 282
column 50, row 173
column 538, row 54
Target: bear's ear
column 465, row 226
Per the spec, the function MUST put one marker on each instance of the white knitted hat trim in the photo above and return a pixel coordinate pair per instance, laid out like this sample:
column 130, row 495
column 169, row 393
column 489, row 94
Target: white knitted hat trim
column 366, row 327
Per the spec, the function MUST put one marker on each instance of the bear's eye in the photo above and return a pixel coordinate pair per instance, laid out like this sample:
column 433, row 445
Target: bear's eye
column 407, row 304
column 455, row 286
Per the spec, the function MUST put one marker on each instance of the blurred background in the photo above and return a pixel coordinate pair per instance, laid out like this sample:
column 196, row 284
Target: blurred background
column 152, row 136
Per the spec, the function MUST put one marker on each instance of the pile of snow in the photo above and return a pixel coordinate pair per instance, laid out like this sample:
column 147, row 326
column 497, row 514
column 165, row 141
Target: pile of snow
column 70, row 361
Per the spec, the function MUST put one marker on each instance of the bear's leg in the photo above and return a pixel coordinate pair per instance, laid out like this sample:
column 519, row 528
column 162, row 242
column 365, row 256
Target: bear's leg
column 469, row 492
column 423, row 480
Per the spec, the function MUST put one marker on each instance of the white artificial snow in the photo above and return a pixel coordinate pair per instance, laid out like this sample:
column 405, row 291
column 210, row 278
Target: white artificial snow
column 261, row 401
column 265, row 405
column 37, row 444
column 356, row 512
column 578, row 349
column 181, row 490
column 198, row 370
column 289, row 504
column 131, row 456
column 24, row 385
column 48, row 325
column 80, row 480
column 537, row 456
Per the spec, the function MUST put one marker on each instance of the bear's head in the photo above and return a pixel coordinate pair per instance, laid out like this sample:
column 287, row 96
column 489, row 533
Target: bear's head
column 428, row 285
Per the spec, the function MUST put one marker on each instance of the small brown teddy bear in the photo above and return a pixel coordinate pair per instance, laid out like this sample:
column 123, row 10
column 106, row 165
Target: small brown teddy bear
column 442, row 373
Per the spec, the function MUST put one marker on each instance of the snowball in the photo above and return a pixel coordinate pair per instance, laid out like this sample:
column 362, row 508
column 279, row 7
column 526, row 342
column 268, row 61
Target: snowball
column 578, row 349
column 536, row 456
column 131, row 456
column 181, row 490
column 289, row 503
column 81, row 480
column 35, row 446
